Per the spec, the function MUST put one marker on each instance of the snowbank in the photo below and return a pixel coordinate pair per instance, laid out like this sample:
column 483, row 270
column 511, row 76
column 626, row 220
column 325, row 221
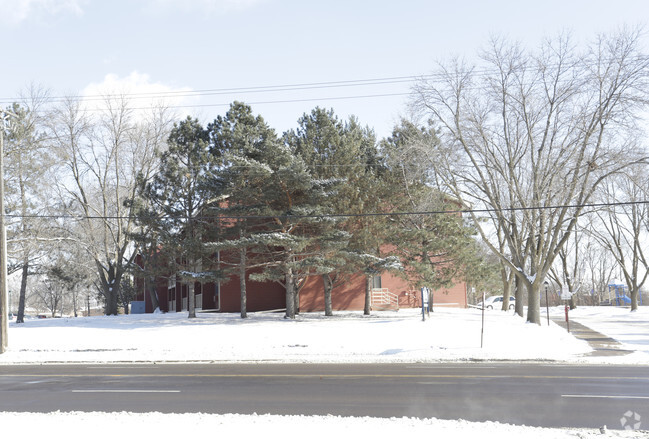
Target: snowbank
column 81, row 425
column 448, row 335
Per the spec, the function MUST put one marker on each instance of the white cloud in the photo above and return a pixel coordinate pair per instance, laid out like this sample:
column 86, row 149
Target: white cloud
column 17, row 11
column 203, row 6
column 140, row 92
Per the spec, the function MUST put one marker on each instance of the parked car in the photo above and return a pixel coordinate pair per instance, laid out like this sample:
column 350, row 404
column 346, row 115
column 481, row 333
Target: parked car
column 496, row 302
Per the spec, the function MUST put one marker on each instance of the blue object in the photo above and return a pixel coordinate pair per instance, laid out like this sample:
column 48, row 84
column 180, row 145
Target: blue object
column 137, row 307
column 621, row 298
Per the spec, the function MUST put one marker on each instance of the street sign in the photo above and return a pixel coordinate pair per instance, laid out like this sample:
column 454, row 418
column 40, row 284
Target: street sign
column 424, row 302
column 566, row 295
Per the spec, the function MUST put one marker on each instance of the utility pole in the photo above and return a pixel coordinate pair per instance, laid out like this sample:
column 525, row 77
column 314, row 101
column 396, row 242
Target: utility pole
column 4, row 299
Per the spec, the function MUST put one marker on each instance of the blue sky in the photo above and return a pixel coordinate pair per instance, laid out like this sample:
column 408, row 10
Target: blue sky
column 93, row 46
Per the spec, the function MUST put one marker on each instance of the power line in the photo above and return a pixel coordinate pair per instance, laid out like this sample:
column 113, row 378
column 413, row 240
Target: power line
column 297, row 86
column 337, row 215
column 238, row 90
column 287, row 87
column 284, row 101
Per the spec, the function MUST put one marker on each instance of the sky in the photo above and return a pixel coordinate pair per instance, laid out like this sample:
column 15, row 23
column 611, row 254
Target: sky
column 208, row 52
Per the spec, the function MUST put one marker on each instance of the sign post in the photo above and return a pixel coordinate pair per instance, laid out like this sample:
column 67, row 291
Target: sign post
column 547, row 304
column 482, row 329
column 566, row 295
column 424, row 303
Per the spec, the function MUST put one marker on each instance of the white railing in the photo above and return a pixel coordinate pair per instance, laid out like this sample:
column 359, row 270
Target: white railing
column 383, row 297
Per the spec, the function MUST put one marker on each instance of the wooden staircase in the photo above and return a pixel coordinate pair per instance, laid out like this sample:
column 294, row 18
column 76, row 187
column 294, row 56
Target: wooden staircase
column 384, row 300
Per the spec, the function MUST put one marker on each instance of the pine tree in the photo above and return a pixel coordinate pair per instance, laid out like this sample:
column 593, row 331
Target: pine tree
column 344, row 153
column 435, row 248
column 282, row 204
column 182, row 191
column 238, row 140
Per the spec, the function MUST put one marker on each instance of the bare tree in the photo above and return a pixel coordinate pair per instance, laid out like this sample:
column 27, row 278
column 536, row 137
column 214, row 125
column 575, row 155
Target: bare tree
column 533, row 135
column 101, row 157
column 28, row 165
column 599, row 266
column 570, row 269
column 622, row 226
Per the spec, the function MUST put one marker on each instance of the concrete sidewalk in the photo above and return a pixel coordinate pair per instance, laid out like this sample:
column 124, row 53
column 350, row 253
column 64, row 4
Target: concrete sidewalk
column 602, row 345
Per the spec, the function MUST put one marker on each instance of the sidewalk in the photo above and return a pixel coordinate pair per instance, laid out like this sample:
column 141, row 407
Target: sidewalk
column 602, row 345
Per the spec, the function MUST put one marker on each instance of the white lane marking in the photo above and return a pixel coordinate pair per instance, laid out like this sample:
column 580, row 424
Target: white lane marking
column 606, row 396
column 124, row 391
column 436, row 367
column 122, row 367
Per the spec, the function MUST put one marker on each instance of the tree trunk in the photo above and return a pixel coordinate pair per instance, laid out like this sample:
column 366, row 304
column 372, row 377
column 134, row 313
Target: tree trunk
column 110, row 279
column 634, row 298
column 368, row 295
column 533, row 303
column 328, row 286
column 518, row 295
column 74, row 302
column 573, row 302
column 242, row 282
column 290, row 293
column 191, row 303
column 153, row 294
column 507, row 287
column 20, row 318
column 296, row 300
column 111, row 299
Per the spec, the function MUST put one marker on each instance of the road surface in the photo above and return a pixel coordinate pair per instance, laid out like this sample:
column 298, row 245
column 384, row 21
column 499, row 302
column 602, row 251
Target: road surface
column 546, row 395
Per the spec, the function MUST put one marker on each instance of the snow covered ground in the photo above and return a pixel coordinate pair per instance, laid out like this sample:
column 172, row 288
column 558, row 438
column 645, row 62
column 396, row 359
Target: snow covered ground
column 448, row 335
column 629, row 328
column 108, row 425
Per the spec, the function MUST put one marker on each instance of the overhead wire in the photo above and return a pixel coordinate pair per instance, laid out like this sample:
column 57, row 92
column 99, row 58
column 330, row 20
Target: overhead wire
column 334, row 215
column 296, row 86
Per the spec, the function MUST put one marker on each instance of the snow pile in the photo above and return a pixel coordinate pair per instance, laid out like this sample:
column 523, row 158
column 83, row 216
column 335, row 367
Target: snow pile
column 196, row 425
column 449, row 334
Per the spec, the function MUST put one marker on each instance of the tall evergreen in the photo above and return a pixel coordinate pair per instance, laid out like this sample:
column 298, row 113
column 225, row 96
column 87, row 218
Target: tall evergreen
column 239, row 140
column 345, row 154
column 279, row 206
column 436, row 248
column 183, row 189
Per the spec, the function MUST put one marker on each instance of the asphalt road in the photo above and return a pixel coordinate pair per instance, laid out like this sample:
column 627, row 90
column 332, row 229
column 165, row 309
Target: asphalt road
column 530, row 394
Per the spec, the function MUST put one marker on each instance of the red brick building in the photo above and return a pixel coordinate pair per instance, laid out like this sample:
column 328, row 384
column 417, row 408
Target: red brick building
column 388, row 291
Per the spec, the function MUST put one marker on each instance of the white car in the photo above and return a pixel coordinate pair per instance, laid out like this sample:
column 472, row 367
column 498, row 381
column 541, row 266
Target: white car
column 496, row 302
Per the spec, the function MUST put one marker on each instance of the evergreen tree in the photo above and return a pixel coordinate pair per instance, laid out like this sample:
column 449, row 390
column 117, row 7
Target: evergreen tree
column 436, row 248
column 282, row 207
column 182, row 191
column 345, row 154
column 239, row 140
